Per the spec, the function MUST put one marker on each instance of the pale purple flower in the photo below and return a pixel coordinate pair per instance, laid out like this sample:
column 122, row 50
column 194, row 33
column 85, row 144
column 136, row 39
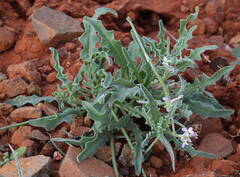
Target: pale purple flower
column 165, row 98
column 187, row 134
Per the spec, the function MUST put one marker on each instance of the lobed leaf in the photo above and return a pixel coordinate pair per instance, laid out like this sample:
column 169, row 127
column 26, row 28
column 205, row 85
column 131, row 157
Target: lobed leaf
column 34, row 99
column 206, row 106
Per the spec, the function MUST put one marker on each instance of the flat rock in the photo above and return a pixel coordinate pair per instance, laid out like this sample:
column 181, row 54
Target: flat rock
column 89, row 167
column 214, row 143
column 54, row 27
column 13, row 87
column 6, row 39
column 31, row 166
column 27, row 70
column 217, row 144
column 25, row 113
column 20, row 135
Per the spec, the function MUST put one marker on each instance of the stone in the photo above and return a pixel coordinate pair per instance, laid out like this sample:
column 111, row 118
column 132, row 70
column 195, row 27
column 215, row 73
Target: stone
column 31, row 166
column 54, row 27
column 51, row 77
column 235, row 39
column 225, row 167
column 217, row 144
column 13, row 87
column 47, row 108
column 211, row 25
column 86, row 168
column 203, row 174
column 151, row 172
column 165, row 7
column 3, row 124
column 70, row 46
column 104, row 153
column 79, row 131
column 2, row 77
column 30, row 145
column 7, row 39
column 34, row 89
column 27, row 70
column 200, row 30
column 20, row 135
column 155, row 162
column 24, row 5
column 5, row 109
column 158, row 147
column 212, row 143
column 38, row 135
column 25, row 113
column 126, row 156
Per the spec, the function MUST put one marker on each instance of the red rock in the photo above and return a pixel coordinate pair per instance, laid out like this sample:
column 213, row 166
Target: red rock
column 20, row 135
column 25, row 113
column 165, row 7
column 27, row 70
column 2, row 77
column 24, row 5
column 38, row 135
column 51, row 77
column 5, row 109
column 151, row 172
column 217, row 144
column 126, row 156
column 54, row 27
column 155, row 162
column 158, row 147
column 213, row 143
column 79, row 131
column 203, row 174
column 6, row 39
column 104, row 153
column 47, row 108
column 34, row 89
column 2, row 124
column 30, row 145
column 225, row 167
column 13, row 87
column 200, row 30
column 70, row 46
column 89, row 167
column 31, row 166
column 211, row 25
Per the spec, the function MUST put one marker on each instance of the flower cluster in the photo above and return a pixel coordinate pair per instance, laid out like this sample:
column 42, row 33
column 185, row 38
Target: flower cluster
column 187, row 135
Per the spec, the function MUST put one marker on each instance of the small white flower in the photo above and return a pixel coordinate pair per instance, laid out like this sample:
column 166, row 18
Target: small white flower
column 166, row 61
column 165, row 98
column 187, row 134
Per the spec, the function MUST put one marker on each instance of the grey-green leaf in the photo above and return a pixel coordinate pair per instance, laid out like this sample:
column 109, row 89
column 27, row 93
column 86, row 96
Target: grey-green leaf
column 206, row 106
column 34, row 99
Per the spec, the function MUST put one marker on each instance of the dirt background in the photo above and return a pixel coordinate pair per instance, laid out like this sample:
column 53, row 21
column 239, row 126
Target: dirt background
column 218, row 24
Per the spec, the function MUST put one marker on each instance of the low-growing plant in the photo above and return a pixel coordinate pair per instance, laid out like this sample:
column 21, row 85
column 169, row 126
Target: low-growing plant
column 145, row 101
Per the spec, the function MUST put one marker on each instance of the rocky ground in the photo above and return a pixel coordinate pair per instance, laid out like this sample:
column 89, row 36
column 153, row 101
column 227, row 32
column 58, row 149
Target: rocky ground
column 26, row 68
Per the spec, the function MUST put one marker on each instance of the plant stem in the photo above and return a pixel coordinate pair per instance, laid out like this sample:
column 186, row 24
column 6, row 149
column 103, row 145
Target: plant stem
column 123, row 132
column 152, row 144
column 128, row 139
column 114, row 162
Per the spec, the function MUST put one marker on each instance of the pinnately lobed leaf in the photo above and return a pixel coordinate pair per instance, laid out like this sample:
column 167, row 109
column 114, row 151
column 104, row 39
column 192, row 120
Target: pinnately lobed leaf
column 34, row 99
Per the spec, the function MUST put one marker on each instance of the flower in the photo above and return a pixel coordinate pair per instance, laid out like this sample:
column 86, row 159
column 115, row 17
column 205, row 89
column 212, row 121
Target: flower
column 185, row 137
column 165, row 61
column 165, row 98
